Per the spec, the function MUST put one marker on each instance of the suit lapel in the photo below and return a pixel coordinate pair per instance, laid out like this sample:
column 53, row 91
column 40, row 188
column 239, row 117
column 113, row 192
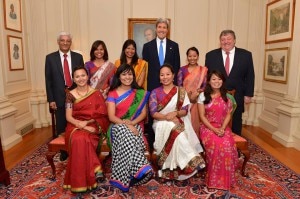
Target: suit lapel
column 58, row 64
column 236, row 59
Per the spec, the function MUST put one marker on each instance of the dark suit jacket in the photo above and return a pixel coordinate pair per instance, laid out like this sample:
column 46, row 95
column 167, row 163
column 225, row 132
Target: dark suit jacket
column 150, row 54
column 241, row 76
column 54, row 76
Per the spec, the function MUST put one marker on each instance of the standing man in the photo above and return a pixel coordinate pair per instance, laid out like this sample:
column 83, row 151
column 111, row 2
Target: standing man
column 237, row 66
column 169, row 53
column 58, row 75
column 157, row 52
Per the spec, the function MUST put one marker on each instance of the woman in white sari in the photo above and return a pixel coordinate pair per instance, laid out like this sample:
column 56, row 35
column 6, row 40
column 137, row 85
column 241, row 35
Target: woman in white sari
column 176, row 143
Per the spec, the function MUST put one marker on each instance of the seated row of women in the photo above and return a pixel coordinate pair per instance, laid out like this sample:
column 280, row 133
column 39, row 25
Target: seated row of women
column 122, row 116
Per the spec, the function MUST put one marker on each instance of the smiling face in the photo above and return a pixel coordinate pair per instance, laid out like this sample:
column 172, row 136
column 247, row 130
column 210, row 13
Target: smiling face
column 64, row 42
column 99, row 52
column 192, row 57
column 215, row 82
column 130, row 51
column 161, row 30
column 227, row 42
column 80, row 77
column 166, row 76
column 126, row 78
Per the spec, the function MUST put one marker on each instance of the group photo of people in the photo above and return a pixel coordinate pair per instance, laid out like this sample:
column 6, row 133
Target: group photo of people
column 184, row 115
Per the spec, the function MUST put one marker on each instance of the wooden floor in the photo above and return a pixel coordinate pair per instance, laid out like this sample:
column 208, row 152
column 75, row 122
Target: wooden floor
column 288, row 156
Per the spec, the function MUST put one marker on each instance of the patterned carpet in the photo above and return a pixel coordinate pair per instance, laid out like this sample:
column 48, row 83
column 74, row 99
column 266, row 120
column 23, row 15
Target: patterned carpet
column 268, row 179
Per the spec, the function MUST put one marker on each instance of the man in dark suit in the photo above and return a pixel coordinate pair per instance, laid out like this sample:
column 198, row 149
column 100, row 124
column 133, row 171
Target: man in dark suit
column 157, row 52
column 239, row 73
column 56, row 77
column 151, row 53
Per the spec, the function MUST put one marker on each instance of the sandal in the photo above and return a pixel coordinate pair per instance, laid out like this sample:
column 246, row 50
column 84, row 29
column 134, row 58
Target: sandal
column 100, row 177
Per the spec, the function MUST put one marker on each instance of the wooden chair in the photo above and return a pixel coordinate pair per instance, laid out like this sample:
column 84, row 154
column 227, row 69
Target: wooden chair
column 241, row 145
column 58, row 143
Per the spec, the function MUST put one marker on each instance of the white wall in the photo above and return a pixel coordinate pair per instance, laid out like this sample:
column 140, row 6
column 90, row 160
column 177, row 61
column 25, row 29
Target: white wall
column 193, row 23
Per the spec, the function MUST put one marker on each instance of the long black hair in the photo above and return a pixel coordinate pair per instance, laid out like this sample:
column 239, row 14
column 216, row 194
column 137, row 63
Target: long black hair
column 116, row 82
column 208, row 89
column 135, row 57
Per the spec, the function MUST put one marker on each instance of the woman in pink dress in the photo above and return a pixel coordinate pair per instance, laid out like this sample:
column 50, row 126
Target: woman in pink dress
column 215, row 107
column 193, row 78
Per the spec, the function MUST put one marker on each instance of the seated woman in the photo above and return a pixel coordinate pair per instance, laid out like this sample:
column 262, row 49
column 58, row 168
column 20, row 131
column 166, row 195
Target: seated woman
column 126, row 110
column 176, row 143
column 86, row 114
column 215, row 109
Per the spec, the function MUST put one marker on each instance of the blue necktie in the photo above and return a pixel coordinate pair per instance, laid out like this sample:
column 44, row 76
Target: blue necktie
column 161, row 53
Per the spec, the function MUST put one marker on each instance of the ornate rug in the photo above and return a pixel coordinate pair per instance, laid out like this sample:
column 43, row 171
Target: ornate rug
column 268, row 178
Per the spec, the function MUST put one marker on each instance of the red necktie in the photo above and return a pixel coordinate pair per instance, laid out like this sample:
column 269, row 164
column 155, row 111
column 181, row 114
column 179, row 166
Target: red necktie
column 67, row 72
column 227, row 63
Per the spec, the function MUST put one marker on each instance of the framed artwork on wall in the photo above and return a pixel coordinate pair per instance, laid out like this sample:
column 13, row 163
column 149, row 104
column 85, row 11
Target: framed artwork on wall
column 15, row 53
column 276, row 65
column 12, row 15
column 280, row 21
column 142, row 30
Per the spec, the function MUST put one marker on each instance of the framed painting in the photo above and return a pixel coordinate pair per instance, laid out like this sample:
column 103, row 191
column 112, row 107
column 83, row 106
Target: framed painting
column 15, row 53
column 12, row 15
column 142, row 30
column 276, row 65
column 280, row 21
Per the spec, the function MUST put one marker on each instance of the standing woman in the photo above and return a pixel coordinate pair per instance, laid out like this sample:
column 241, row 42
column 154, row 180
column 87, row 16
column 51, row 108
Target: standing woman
column 130, row 56
column 126, row 103
column 86, row 114
column 193, row 78
column 176, row 144
column 215, row 109
column 100, row 70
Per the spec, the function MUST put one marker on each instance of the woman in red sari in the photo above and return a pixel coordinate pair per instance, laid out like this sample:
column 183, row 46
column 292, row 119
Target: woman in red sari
column 193, row 78
column 126, row 104
column 86, row 114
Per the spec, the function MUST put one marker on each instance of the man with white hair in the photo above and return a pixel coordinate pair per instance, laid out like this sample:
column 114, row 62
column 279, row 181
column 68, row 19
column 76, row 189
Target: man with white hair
column 59, row 66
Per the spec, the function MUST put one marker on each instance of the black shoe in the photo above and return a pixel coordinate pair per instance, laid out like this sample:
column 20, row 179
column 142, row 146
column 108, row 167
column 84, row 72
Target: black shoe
column 100, row 178
column 63, row 155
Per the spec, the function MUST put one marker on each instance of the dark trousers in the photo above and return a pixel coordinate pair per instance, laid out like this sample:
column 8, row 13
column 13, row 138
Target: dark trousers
column 237, row 120
column 60, row 120
column 149, row 133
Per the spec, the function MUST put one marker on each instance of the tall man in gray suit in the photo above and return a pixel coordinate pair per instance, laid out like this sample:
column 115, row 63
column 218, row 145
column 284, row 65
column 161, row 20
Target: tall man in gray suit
column 236, row 64
column 157, row 52
column 59, row 66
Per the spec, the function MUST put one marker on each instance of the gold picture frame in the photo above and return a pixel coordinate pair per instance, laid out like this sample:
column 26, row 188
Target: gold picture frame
column 280, row 21
column 142, row 30
column 276, row 65
column 12, row 15
column 15, row 53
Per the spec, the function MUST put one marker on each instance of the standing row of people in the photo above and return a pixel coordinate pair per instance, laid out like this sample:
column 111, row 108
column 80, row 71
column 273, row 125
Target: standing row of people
column 124, row 86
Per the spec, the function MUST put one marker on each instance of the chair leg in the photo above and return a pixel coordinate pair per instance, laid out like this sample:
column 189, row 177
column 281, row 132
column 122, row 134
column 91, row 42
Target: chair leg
column 50, row 155
column 247, row 157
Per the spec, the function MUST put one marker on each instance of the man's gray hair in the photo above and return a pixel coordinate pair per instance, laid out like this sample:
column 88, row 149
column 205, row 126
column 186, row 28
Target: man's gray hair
column 63, row 33
column 226, row 32
column 163, row 20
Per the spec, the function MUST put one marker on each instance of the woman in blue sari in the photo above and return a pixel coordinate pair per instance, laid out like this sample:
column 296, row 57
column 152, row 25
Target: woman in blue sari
column 126, row 104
